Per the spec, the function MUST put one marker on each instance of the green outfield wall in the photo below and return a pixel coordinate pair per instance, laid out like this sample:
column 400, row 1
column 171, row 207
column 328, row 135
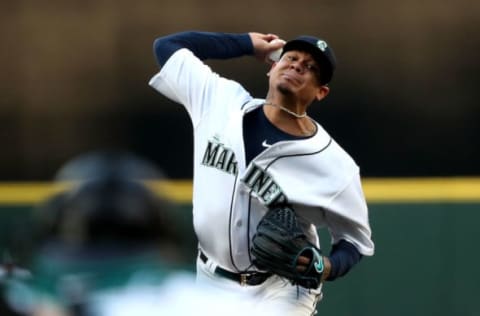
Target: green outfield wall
column 425, row 230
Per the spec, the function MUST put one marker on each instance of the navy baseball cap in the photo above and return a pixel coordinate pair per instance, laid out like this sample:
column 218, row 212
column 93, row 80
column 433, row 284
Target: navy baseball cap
column 320, row 51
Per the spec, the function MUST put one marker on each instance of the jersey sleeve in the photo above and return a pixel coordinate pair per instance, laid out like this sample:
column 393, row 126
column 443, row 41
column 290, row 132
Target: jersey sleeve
column 348, row 219
column 355, row 227
column 185, row 79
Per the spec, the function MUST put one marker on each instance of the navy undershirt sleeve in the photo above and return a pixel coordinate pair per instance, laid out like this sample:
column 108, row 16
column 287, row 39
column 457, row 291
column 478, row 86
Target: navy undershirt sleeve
column 343, row 257
column 204, row 45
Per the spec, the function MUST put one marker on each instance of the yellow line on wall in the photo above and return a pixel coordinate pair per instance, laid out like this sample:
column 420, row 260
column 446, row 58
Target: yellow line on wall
column 396, row 190
column 377, row 190
column 27, row 192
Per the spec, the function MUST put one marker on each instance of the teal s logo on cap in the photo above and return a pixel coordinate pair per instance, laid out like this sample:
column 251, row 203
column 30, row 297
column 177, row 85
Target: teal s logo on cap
column 322, row 45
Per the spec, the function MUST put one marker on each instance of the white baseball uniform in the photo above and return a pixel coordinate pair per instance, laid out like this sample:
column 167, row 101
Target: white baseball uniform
column 315, row 174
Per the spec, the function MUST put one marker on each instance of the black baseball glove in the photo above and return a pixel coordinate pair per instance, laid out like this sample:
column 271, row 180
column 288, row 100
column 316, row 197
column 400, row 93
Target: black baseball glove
column 279, row 242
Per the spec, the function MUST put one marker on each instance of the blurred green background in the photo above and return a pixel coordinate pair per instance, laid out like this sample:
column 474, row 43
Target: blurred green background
column 403, row 103
column 426, row 262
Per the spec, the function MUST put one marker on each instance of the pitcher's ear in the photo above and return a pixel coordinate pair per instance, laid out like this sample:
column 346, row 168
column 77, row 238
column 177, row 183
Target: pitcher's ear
column 322, row 92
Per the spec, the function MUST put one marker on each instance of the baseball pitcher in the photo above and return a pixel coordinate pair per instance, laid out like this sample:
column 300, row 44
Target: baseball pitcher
column 266, row 175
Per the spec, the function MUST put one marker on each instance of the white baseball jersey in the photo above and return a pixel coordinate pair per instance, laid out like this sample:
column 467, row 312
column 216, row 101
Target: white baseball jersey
column 315, row 174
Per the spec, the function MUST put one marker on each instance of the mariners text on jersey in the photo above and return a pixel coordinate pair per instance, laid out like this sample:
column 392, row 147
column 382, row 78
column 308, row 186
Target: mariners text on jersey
column 218, row 156
column 263, row 186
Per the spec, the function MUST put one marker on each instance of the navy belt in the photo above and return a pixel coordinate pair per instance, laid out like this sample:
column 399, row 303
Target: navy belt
column 248, row 278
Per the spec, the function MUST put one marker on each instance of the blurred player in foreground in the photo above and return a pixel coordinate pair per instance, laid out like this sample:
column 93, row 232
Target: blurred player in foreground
column 110, row 247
